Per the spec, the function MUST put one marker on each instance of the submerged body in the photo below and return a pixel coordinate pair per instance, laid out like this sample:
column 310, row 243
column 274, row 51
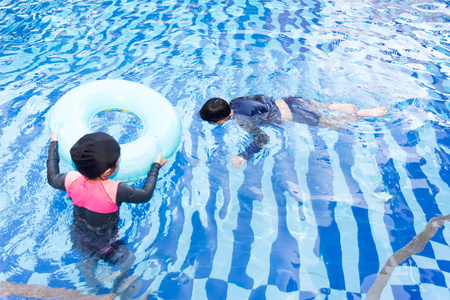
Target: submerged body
column 251, row 112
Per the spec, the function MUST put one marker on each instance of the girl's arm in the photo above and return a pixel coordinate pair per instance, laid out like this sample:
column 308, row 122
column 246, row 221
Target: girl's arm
column 126, row 193
column 54, row 178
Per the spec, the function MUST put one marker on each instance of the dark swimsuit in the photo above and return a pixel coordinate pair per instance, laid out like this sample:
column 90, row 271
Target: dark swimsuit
column 253, row 111
column 302, row 110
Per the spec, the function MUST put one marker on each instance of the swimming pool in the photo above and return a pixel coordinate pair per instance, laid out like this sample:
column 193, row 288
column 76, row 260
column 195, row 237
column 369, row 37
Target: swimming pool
column 315, row 215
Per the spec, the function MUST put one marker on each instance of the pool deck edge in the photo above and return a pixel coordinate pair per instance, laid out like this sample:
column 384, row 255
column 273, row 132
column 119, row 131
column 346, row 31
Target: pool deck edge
column 44, row 292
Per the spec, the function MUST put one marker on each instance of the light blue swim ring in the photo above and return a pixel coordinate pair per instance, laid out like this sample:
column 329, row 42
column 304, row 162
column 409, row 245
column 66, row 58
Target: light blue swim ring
column 72, row 113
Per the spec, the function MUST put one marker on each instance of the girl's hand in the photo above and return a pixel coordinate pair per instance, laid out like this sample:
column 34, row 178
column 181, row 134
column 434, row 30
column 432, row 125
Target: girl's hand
column 160, row 160
column 54, row 137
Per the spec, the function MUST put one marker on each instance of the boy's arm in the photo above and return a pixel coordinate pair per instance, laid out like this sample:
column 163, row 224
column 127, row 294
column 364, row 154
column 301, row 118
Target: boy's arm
column 260, row 139
column 126, row 193
column 54, row 178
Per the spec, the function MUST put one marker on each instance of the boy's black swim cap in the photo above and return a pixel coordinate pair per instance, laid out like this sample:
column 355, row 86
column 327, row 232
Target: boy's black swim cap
column 95, row 153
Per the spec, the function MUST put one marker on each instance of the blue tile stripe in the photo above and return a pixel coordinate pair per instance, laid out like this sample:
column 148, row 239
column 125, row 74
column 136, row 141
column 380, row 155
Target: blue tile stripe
column 285, row 254
column 319, row 178
column 368, row 256
column 243, row 234
column 398, row 217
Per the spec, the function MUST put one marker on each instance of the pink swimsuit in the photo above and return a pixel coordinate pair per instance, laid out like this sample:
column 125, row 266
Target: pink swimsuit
column 96, row 196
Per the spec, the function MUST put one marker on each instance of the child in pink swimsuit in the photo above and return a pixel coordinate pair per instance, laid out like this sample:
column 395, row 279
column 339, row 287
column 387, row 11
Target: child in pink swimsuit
column 97, row 199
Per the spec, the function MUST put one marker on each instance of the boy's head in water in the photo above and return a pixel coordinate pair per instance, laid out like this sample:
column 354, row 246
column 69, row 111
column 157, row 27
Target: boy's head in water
column 96, row 155
column 215, row 110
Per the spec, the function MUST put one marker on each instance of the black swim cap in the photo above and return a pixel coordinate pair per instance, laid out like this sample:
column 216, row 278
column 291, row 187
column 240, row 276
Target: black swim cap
column 215, row 109
column 95, row 153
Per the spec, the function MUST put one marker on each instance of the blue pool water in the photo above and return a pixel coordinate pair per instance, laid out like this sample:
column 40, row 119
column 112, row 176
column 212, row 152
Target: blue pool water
column 315, row 215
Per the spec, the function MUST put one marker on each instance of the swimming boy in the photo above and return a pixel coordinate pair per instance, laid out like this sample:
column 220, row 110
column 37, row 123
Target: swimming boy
column 251, row 112
column 97, row 200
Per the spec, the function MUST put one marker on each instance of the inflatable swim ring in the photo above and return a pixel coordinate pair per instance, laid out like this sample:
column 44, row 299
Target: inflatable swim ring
column 72, row 113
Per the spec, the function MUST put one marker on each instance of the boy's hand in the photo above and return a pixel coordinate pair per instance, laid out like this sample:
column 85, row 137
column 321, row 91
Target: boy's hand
column 160, row 160
column 238, row 161
column 54, row 137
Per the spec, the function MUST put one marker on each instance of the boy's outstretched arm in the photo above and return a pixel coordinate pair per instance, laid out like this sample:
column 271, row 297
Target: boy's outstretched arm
column 260, row 139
